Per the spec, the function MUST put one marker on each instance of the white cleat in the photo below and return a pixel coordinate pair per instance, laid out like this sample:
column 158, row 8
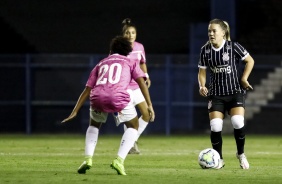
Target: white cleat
column 221, row 164
column 134, row 149
column 244, row 164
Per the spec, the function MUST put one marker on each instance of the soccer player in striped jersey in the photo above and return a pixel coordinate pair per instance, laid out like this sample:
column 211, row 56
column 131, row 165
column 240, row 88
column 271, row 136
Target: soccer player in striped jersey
column 137, row 55
column 107, row 88
column 227, row 86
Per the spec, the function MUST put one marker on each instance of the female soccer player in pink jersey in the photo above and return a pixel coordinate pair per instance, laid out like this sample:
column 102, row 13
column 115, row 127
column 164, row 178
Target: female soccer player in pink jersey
column 137, row 55
column 107, row 88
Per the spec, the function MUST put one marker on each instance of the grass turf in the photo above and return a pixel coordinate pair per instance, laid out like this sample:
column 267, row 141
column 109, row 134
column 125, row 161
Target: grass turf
column 173, row 159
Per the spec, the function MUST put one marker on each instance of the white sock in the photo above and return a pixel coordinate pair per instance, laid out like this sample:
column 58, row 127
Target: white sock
column 142, row 125
column 91, row 139
column 127, row 141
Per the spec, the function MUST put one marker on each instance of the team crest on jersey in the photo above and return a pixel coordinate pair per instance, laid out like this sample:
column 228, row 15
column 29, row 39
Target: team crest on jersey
column 208, row 51
column 209, row 104
column 225, row 56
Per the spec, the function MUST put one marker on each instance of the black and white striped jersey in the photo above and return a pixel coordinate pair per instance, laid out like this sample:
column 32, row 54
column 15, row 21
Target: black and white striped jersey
column 225, row 65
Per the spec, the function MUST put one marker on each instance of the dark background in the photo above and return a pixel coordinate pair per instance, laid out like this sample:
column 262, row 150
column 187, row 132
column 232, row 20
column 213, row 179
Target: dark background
column 72, row 26
column 50, row 46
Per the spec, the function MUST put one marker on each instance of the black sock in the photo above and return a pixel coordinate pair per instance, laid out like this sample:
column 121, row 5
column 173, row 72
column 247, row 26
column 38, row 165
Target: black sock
column 216, row 140
column 239, row 135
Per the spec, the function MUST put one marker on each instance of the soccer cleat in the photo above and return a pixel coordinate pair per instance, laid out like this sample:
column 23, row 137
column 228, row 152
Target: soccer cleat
column 221, row 164
column 244, row 164
column 134, row 149
column 84, row 166
column 118, row 166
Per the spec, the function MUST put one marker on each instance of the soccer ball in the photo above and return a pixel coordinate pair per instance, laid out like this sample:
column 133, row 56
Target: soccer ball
column 208, row 158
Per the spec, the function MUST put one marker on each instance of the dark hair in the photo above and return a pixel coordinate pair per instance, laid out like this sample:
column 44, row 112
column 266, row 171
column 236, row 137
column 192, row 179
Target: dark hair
column 224, row 26
column 126, row 23
column 120, row 45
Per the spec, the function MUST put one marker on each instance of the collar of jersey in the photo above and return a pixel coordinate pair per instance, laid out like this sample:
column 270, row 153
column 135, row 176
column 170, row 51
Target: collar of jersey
column 217, row 49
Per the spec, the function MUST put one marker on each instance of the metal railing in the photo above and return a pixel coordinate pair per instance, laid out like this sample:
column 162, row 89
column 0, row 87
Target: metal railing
column 174, row 89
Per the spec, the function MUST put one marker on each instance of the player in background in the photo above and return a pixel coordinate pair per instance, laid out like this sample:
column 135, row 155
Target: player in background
column 227, row 87
column 137, row 55
column 107, row 88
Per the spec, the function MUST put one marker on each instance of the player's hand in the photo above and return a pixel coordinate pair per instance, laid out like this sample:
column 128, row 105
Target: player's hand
column 72, row 116
column 152, row 113
column 148, row 82
column 246, row 85
column 203, row 91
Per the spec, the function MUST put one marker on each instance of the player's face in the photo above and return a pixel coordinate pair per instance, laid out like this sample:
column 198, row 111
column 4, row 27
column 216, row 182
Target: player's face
column 130, row 33
column 216, row 34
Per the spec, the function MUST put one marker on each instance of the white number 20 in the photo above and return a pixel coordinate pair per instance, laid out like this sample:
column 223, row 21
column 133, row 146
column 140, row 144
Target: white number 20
column 114, row 72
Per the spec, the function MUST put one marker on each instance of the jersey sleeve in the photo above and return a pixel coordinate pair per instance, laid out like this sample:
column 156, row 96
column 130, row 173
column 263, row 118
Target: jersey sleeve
column 202, row 61
column 240, row 51
column 91, row 82
column 143, row 55
column 137, row 72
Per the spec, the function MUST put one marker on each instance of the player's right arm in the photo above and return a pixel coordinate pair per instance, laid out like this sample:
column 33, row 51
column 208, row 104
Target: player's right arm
column 82, row 98
column 202, row 82
column 202, row 74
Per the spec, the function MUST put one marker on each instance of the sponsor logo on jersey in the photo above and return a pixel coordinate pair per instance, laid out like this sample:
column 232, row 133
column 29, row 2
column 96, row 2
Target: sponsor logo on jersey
column 221, row 69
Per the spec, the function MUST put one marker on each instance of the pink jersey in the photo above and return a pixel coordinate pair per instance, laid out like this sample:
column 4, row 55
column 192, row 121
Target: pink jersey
column 109, row 81
column 137, row 55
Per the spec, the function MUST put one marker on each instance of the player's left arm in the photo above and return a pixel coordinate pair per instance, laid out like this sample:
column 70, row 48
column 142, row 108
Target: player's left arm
column 146, row 94
column 247, row 71
column 143, row 67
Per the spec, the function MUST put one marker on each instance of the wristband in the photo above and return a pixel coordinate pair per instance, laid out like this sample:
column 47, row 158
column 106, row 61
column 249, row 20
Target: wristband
column 147, row 75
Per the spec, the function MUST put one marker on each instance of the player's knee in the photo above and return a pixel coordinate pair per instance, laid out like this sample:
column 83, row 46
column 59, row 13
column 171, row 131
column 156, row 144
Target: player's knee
column 132, row 123
column 95, row 124
column 145, row 116
column 216, row 124
column 237, row 121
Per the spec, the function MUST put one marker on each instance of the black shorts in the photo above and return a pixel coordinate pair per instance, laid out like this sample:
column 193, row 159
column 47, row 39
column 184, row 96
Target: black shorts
column 225, row 103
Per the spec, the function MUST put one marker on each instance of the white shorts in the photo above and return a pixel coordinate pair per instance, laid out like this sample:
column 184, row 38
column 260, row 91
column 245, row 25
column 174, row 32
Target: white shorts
column 126, row 114
column 138, row 96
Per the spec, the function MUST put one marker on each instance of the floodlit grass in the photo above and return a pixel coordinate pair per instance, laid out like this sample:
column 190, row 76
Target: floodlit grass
column 44, row 159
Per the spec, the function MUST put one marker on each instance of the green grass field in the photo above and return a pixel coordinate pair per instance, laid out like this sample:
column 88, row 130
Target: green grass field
column 173, row 159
